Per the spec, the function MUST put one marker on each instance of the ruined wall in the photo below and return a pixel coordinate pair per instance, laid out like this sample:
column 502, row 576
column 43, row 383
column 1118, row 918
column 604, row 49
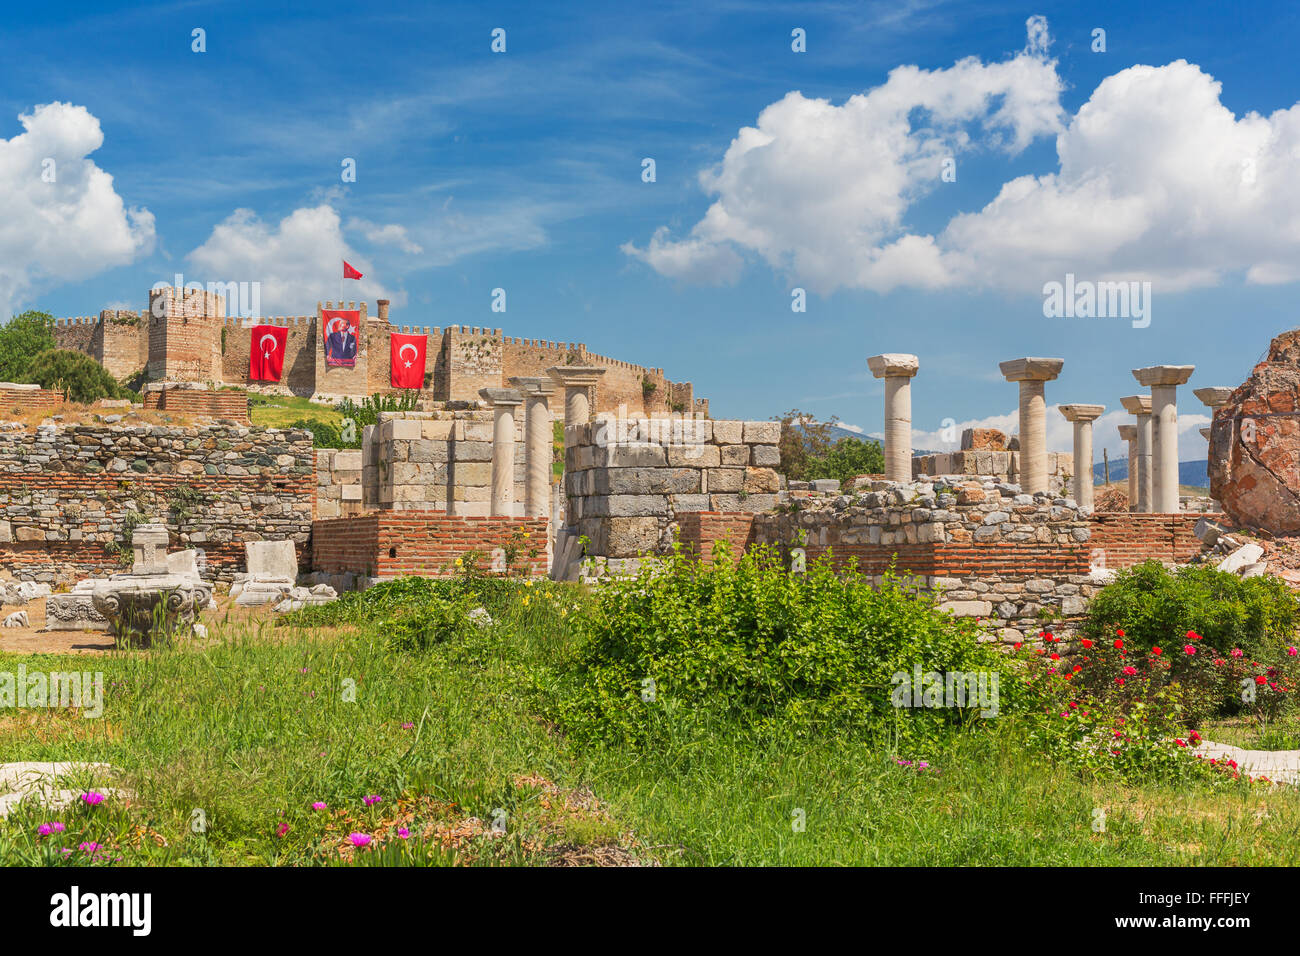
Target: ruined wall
column 440, row 461
column 386, row 544
column 1001, row 465
column 225, row 403
column 338, row 483
column 66, row 494
column 19, row 399
column 627, row 480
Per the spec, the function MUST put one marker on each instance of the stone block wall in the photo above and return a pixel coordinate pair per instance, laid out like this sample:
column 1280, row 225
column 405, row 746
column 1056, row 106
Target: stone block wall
column 386, row 544
column 991, row 551
column 438, row 461
column 66, row 493
column 338, row 483
column 991, row 463
column 627, row 480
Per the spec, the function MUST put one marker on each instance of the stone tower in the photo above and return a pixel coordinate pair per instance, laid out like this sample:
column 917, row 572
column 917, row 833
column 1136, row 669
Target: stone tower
column 185, row 335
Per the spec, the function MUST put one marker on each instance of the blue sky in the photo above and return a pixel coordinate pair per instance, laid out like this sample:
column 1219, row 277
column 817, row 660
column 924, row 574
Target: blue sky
column 523, row 170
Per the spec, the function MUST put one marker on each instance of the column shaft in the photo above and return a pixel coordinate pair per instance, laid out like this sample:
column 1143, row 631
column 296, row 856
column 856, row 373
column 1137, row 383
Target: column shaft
column 1145, row 496
column 898, row 428
column 537, row 426
column 1083, row 464
column 1164, row 415
column 503, row 460
column 1033, row 437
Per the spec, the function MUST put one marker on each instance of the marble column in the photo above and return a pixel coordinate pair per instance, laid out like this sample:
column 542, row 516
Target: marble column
column 1031, row 373
column 538, row 441
column 577, row 382
column 1163, row 380
column 1082, row 417
column 504, row 401
column 897, row 369
column 1129, row 434
column 1139, row 406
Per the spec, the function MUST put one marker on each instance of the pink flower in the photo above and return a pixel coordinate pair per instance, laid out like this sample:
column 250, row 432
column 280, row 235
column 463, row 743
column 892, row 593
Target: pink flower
column 359, row 839
column 1238, row 652
column 1189, row 649
column 1292, row 652
column 318, row 805
column 282, row 830
column 93, row 798
column 88, row 847
column 1130, row 670
column 403, row 833
column 371, row 800
column 408, row 726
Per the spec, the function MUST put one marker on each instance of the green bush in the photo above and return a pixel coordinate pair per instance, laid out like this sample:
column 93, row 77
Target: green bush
column 323, row 434
column 79, row 377
column 754, row 643
column 1157, row 607
column 845, row 459
column 367, row 412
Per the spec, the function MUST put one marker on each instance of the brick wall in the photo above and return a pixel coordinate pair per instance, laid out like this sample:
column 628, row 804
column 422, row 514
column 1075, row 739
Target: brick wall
column 65, row 493
column 699, row 531
column 224, row 403
column 1129, row 539
column 19, row 400
column 388, row 544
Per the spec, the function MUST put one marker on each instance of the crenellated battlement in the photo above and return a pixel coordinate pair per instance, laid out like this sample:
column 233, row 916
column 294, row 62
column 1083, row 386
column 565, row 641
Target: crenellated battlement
column 187, row 335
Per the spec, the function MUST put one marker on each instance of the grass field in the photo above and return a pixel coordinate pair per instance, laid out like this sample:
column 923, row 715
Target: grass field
column 224, row 748
column 275, row 411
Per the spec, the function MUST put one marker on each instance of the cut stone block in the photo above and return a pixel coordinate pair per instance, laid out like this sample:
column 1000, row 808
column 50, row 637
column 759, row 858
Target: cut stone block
column 274, row 559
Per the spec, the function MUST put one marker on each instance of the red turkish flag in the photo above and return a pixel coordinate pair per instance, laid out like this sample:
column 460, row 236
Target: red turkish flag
column 266, row 353
column 406, row 360
column 349, row 272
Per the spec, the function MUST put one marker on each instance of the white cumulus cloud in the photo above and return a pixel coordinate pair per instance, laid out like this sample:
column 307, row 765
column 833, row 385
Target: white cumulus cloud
column 63, row 220
column 298, row 261
column 1156, row 180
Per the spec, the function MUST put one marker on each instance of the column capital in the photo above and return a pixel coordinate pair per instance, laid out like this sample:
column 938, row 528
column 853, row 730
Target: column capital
column 1128, row 432
column 1031, row 369
column 893, row 365
column 1163, row 374
column 1136, row 404
column 1213, row 396
column 1081, row 413
column 576, row 376
column 536, row 386
column 501, row 396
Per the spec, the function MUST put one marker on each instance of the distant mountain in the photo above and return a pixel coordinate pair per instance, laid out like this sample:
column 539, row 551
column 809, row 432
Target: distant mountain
column 1195, row 474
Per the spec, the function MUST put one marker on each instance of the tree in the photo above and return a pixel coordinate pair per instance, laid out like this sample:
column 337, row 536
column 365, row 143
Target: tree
column 809, row 449
column 22, row 339
column 79, row 377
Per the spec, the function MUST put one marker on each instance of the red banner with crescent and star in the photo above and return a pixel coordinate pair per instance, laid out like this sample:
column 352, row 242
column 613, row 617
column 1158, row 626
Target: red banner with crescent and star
column 407, row 360
column 341, row 329
column 266, row 353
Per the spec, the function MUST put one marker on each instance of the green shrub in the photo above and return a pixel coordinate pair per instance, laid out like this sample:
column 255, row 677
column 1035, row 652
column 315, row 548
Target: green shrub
column 1157, row 607
column 754, row 643
column 323, row 434
column 79, row 377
